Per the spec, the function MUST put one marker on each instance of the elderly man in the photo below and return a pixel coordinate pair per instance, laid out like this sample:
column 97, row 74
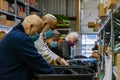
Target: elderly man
column 18, row 55
column 50, row 22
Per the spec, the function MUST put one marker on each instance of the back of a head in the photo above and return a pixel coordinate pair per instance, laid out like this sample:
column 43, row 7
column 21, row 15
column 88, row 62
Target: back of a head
column 49, row 16
column 50, row 19
column 72, row 35
column 34, row 20
column 56, row 34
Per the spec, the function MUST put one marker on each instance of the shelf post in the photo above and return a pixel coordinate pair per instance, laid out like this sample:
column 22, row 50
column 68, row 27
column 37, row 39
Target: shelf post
column 27, row 7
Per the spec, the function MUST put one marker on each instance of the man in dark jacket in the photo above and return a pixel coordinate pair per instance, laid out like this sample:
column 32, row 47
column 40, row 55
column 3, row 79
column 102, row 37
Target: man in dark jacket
column 18, row 55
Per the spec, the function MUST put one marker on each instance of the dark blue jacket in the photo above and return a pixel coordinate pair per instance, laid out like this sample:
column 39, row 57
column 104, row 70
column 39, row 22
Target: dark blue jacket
column 19, row 57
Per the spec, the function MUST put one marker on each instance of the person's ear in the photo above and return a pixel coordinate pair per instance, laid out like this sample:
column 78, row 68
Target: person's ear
column 31, row 26
column 45, row 23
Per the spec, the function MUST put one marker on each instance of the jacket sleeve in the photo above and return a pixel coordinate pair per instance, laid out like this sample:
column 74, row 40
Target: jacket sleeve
column 43, row 49
column 65, row 50
column 30, row 56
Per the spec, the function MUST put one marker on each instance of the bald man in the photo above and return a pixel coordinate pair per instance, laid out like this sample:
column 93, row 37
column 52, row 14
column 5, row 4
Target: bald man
column 50, row 22
column 18, row 55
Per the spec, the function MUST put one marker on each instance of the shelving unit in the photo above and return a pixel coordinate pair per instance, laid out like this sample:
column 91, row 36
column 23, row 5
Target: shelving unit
column 7, row 13
column 63, row 31
column 20, row 9
column 34, row 9
column 109, row 32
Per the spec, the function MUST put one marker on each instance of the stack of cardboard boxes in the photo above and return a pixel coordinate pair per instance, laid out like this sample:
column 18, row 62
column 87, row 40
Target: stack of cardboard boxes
column 5, row 6
column 105, row 6
column 4, row 21
column 118, row 65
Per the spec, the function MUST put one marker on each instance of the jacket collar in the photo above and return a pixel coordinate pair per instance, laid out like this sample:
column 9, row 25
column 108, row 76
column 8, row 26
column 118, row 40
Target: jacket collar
column 20, row 27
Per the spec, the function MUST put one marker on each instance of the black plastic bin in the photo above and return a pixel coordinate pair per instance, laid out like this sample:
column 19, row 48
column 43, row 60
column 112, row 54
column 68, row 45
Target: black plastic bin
column 76, row 73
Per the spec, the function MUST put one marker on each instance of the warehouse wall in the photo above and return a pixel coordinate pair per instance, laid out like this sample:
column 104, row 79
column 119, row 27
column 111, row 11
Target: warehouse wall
column 90, row 14
column 59, row 7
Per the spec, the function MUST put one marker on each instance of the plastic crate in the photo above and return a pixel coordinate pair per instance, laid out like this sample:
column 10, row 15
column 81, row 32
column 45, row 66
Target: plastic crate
column 79, row 73
column 90, row 62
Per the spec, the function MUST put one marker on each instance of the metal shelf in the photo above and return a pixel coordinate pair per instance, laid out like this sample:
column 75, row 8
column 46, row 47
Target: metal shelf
column 34, row 9
column 20, row 2
column 5, row 28
column 10, row 14
column 7, row 13
column 64, row 29
column 108, row 18
column 103, row 25
column 19, row 17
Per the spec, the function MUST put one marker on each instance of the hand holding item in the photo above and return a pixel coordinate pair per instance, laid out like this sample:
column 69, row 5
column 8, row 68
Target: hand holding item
column 62, row 61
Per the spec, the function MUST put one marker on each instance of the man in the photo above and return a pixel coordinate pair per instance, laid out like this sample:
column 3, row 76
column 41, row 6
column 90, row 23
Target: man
column 18, row 55
column 50, row 22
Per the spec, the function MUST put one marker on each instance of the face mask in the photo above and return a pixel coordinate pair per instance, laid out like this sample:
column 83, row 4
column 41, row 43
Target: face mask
column 54, row 44
column 49, row 33
column 71, row 43
column 35, row 37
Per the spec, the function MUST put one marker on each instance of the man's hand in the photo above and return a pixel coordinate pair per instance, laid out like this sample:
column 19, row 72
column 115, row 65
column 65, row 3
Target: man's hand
column 53, row 63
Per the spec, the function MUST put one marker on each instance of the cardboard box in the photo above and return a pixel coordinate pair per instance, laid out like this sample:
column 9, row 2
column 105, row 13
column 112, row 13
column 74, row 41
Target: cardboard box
column 95, row 55
column 91, row 24
column 21, row 14
column 102, row 10
column 2, row 19
column 5, row 5
column 1, row 4
column 100, row 49
column 118, row 65
column 111, row 3
column 32, row 2
column 10, row 23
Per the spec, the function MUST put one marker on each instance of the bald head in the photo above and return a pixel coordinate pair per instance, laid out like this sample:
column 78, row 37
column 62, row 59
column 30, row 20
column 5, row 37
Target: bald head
column 50, row 21
column 33, row 24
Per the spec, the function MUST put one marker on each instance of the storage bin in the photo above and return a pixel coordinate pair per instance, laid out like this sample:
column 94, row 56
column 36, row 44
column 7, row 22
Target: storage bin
column 76, row 73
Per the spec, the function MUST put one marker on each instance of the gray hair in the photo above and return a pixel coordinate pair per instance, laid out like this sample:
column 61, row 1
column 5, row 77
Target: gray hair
column 56, row 34
column 72, row 35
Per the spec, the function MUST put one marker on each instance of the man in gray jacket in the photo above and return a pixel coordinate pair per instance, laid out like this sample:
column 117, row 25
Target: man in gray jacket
column 50, row 22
